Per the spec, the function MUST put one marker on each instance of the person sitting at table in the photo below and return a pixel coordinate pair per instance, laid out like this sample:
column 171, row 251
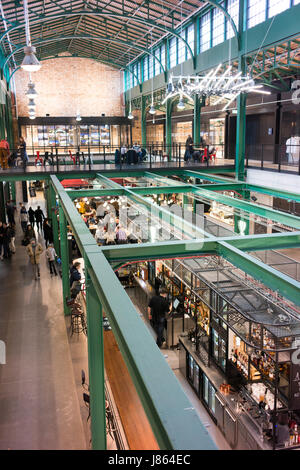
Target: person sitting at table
column 100, row 235
column 121, row 235
column 100, row 211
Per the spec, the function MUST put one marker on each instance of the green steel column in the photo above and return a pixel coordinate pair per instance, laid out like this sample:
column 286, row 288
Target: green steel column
column 240, row 137
column 198, row 103
column 143, row 122
column 245, row 193
column 2, row 203
column 53, row 216
column 96, row 364
column 241, row 100
column 169, row 128
column 64, row 255
column 13, row 190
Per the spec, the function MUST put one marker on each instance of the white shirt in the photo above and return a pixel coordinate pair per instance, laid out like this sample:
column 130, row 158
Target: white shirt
column 51, row 253
column 100, row 211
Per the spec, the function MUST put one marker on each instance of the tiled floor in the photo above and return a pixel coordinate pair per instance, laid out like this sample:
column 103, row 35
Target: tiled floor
column 39, row 408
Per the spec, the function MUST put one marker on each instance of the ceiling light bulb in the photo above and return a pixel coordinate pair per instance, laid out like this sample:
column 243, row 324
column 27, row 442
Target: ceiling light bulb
column 30, row 62
column 31, row 103
column 32, row 116
column 180, row 104
column 130, row 115
column 78, row 117
column 152, row 109
column 31, row 92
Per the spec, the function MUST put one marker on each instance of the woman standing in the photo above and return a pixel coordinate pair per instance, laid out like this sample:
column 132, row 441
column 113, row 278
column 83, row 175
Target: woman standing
column 22, row 148
column 48, row 233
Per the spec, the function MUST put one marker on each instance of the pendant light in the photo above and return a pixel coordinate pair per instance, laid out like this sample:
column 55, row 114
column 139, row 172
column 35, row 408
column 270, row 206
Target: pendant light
column 180, row 105
column 31, row 92
column 78, row 117
column 30, row 63
column 31, row 103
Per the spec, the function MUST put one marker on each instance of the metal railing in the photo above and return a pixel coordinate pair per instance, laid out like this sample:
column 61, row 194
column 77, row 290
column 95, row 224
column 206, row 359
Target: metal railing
column 154, row 154
column 274, row 157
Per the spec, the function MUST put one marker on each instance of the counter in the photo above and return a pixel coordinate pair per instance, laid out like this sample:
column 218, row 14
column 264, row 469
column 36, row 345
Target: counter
column 238, row 425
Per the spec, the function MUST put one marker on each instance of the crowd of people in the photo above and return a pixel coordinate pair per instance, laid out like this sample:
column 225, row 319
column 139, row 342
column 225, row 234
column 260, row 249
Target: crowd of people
column 103, row 221
column 134, row 154
column 29, row 220
column 9, row 158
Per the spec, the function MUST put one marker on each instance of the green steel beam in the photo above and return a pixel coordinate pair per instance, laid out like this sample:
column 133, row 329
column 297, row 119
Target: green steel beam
column 194, row 248
column 274, row 192
column 204, row 176
column 75, row 193
column 275, row 280
column 223, row 187
column 250, row 207
column 160, row 250
column 64, row 255
column 96, row 364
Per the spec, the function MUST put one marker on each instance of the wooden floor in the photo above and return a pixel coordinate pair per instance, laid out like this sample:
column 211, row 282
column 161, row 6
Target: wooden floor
column 134, row 420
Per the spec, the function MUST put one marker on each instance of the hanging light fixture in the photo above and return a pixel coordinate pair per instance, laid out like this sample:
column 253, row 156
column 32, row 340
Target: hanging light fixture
column 78, row 117
column 130, row 115
column 30, row 63
column 31, row 92
column 152, row 109
column 31, row 103
column 180, row 105
column 226, row 86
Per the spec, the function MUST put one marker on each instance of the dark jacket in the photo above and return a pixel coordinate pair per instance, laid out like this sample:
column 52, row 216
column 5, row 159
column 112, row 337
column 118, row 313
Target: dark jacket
column 39, row 215
column 48, row 233
column 29, row 234
column 31, row 214
column 74, row 275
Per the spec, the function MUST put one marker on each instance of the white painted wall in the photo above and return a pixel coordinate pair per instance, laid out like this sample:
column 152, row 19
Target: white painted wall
column 272, row 179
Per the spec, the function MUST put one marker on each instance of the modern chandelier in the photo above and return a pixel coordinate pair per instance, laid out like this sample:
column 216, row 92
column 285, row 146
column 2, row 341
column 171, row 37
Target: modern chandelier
column 226, row 86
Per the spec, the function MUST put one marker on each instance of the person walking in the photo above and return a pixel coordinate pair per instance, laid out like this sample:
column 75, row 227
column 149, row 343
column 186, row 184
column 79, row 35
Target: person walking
column 6, row 241
column 12, row 245
column 39, row 216
column 34, row 251
column 23, row 218
column 4, row 152
column 48, row 233
column 10, row 210
column 22, row 148
column 157, row 309
column 31, row 215
column 51, row 256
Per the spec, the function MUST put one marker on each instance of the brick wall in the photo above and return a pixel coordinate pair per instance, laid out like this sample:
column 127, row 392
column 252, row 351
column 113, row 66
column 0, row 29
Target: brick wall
column 70, row 84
